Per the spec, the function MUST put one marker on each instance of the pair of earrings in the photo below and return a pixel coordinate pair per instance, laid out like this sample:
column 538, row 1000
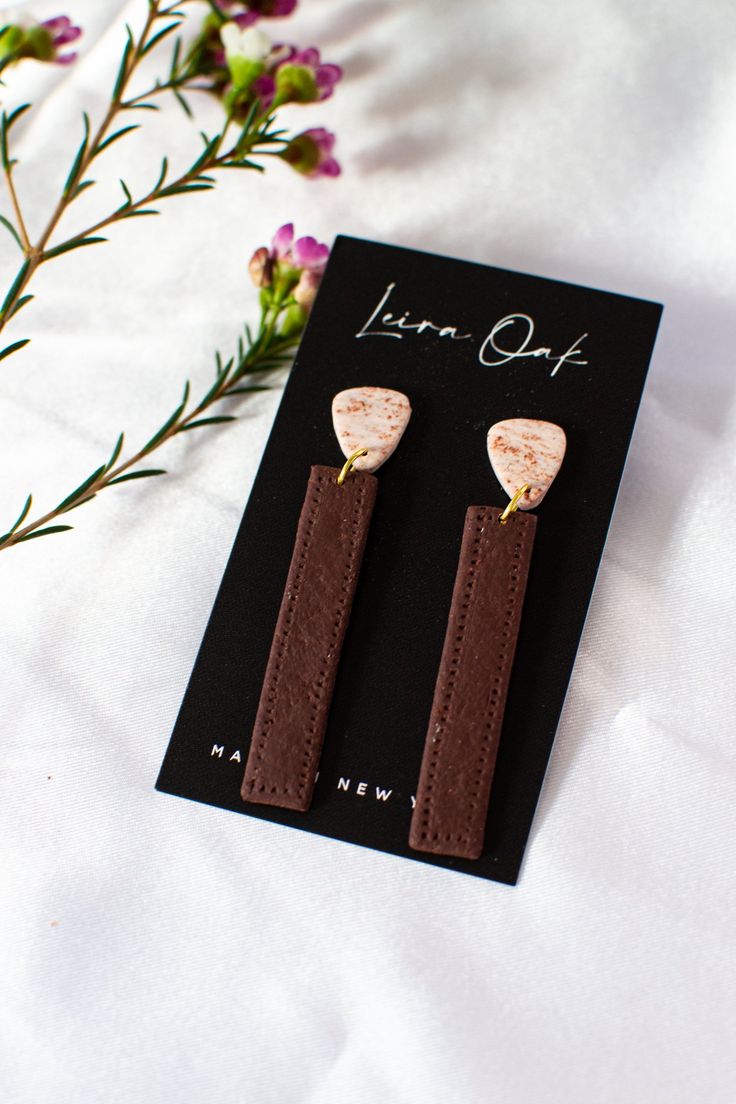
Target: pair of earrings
column 470, row 693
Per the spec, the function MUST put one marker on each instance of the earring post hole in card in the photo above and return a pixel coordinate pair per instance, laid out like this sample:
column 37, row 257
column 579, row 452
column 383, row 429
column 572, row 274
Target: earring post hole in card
column 469, row 345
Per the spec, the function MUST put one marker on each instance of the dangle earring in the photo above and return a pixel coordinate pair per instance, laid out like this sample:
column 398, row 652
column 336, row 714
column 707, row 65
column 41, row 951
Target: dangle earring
column 300, row 675
column 459, row 757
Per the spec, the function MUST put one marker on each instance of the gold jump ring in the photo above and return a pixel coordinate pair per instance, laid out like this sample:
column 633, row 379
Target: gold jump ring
column 513, row 505
column 347, row 466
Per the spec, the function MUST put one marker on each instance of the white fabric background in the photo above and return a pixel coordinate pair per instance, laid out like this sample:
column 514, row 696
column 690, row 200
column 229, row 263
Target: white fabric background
column 156, row 950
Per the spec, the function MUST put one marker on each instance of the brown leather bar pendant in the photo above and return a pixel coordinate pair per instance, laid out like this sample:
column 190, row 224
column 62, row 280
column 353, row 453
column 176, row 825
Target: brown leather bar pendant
column 300, row 676
column 470, row 694
column 289, row 731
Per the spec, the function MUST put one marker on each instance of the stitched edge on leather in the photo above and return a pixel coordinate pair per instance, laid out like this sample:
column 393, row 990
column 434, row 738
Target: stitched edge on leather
column 445, row 692
column 280, row 646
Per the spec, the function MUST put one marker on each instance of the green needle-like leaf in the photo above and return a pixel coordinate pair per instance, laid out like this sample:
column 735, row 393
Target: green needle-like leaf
column 80, row 489
column 219, row 380
column 115, row 452
column 19, row 305
column 126, row 193
column 10, row 349
column 21, row 517
column 4, row 141
column 158, row 37
column 169, row 423
column 80, row 502
column 183, row 189
column 216, row 11
column 44, row 532
column 183, row 103
column 14, row 288
column 175, row 59
column 9, row 226
column 246, row 390
column 206, row 154
column 161, row 175
column 85, row 184
column 16, row 114
column 66, row 247
column 137, row 475
column 71, row 180
column 215, row 420
column 114, row 137
column 244, row 163
column 122, row 77
column 138, row 213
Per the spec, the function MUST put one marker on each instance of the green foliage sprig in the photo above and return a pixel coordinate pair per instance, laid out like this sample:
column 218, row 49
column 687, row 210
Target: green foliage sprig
column 251, row 78
column 256, row 356
column 247, row 135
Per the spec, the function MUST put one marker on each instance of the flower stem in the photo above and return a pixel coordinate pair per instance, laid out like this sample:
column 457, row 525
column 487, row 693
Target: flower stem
column 266, row 353
column 254, row 135
column 36, row 252
column 217, row 12
column 20, row 222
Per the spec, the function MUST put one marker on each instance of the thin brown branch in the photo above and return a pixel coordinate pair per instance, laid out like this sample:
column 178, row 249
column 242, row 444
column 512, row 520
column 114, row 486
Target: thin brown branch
column 20, row 222
column 193, row 175
column 35, row 251
column 263, row 351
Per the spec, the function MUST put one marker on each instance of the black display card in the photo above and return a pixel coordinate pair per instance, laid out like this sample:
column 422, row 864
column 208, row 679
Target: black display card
column 470, row 345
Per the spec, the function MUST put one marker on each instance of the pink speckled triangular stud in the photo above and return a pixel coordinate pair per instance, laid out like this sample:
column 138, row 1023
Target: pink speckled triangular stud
column 524, row 450
column 373, row 418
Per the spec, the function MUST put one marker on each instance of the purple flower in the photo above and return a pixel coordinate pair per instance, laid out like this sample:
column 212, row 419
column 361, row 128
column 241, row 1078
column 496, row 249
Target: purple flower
column 326, row 75
column 310, row 153
column 40, row 41
column 282, row 241
column 256, row 9
column 301, row 77
column 289, row 275
column 295, row 76
column 302, row 253
column 272, row 8
column 256, row 68
column 62, row 31
column 310, row 255
column 246, row 19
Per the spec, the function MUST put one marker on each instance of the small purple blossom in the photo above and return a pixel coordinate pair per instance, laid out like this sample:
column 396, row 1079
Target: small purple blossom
column 256, row 9
column 295, row 76
column 245, row 66
column 302, row 253
column 326, row 75
column 289, row 275
column 324, row 141
column 282, row 241
column 310, row 255
column 62, row 32
column 301, row 77
column 264, row 88
column 39, row 41
column 311, row 153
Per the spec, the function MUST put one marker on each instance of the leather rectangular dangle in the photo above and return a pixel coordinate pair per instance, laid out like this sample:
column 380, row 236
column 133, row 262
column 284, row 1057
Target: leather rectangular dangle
column 302, row 666
column 470, row 693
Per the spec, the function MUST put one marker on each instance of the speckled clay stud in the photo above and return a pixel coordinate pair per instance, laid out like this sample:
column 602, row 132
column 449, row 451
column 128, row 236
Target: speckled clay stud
column 302, row 666
column 455, row 779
